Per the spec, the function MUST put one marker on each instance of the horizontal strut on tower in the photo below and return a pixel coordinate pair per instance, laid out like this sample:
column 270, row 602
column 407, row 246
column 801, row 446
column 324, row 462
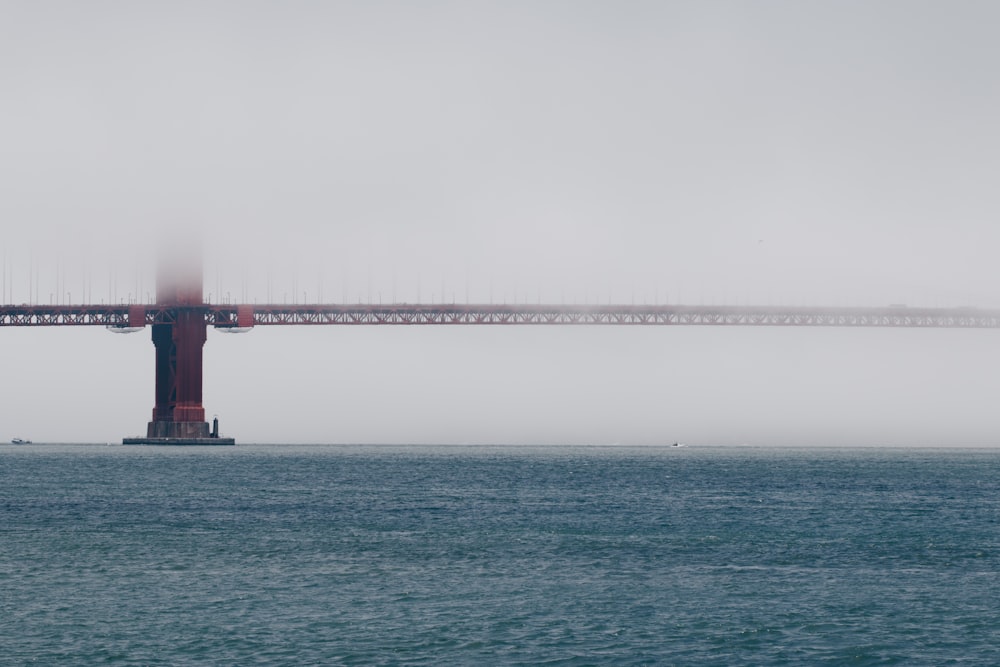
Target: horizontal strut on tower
column 233, row 316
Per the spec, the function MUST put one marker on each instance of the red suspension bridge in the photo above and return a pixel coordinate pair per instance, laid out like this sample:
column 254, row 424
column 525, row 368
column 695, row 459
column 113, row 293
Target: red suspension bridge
column 179, row 320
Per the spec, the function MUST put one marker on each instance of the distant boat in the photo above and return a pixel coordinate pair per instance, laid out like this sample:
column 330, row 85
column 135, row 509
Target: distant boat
column 19, row 441
column 678, row 444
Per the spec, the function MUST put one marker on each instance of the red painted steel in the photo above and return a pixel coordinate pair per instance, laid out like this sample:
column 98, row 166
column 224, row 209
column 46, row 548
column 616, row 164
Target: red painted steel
column 244, row 317
column 189, row 337
column 179, row 339
column 136, row 316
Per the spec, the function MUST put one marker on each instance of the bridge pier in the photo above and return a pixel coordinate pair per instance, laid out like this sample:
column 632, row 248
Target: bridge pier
column 178, row 416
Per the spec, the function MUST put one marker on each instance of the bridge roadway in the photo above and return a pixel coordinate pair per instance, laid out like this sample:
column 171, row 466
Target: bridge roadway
column 230, row 316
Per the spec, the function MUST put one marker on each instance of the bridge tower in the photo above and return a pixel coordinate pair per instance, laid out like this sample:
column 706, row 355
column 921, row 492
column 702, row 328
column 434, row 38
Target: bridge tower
column 178, row 415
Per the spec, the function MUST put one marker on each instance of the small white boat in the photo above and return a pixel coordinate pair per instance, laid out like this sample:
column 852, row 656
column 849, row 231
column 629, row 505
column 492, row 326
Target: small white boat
column 19, row 441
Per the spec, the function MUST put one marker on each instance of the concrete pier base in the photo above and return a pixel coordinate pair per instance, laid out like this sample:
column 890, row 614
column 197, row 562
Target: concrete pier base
column 179, row 433
column 211, row 442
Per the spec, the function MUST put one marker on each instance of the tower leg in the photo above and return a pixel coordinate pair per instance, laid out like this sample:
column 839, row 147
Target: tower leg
column 178, row 415
column 189, row 338
column 166, row 373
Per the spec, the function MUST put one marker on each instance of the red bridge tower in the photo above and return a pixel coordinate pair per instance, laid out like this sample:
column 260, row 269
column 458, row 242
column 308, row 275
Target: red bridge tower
column 178, row 416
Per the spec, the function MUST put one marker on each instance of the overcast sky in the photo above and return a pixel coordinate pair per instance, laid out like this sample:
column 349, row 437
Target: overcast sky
column 799, row 152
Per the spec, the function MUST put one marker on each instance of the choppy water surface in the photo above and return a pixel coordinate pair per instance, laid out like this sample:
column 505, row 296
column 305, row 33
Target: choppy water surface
column 451, row 555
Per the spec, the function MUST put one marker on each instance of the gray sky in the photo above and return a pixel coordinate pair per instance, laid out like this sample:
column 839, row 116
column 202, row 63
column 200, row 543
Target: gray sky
column 807, row 153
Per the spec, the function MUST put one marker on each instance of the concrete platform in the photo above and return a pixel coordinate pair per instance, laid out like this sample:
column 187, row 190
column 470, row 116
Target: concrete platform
column 181, row 433
column 211, row 442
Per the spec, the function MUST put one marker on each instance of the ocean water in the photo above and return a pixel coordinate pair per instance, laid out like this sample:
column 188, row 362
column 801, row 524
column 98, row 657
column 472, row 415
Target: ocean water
column 364, row 555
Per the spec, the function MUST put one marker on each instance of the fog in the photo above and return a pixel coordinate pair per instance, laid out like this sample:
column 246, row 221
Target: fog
column 799, row 153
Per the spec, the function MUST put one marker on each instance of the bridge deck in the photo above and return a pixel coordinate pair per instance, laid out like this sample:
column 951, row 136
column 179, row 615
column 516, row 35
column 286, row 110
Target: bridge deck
column 248, row 315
